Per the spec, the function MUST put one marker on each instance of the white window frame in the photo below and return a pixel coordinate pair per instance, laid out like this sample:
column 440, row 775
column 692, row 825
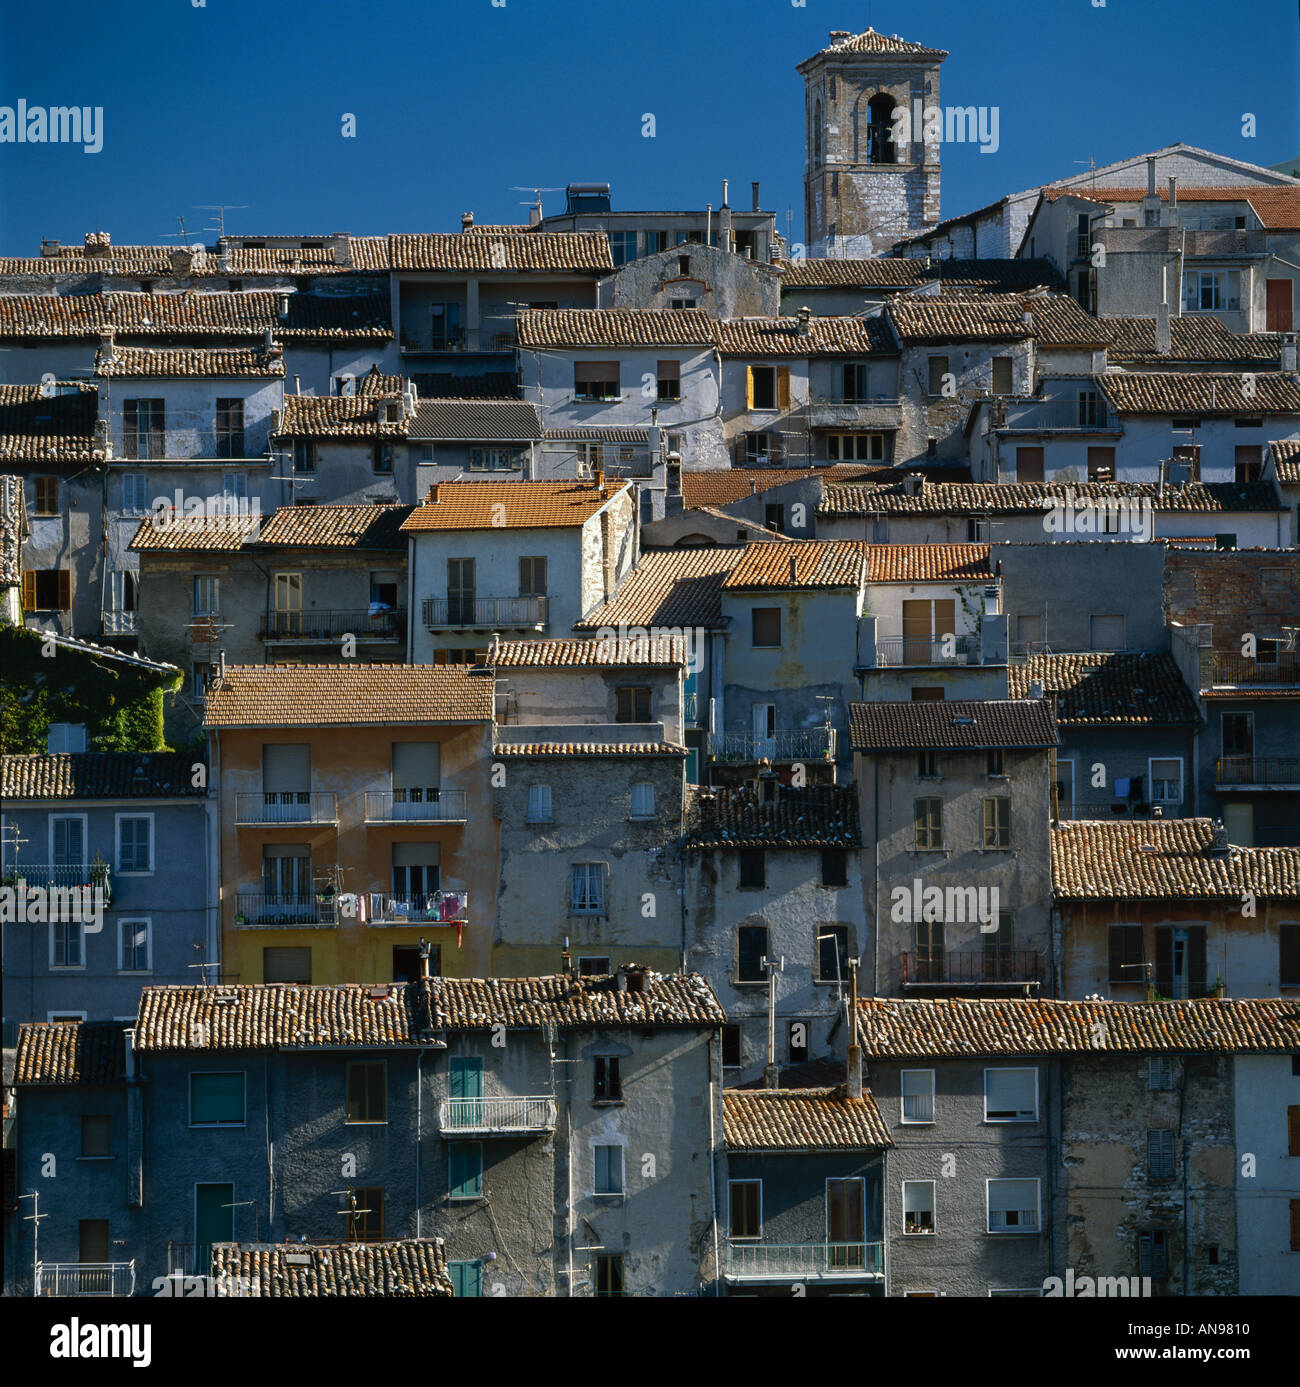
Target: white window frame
column 592, row 958
column 903, row 1096
column 1151, row 780
column 643, row 813
column 493, row 460
column 621, row 1191
column 598, row 868
column 62, row 1014
column 117, row 841
column 68, row 729
column 210, row 584
column 932, row 1232
column 123, row 922
column 1038, row 1205
column 135, row 493
column 85, row 832
column 189, row 1101
column 1010, row 1068
column 535, row 818
column 80, row 926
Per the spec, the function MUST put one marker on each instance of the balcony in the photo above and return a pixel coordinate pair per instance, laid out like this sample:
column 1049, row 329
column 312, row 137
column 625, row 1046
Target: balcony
column 1279, row 667
column 973, row 968
column 449, row 907
column 329, row 626
column 501, row 1117
column 791, row 744
column 1257, row 772
column 898, row 651
column 60, row 877
column 1089, row 415
column 417, row 807
column 120, row 623
column 287, row 807
column 485, row 613
column 85, row 1278
column 285, row 910
column 829, row 1261
column 880, row 413
column 1221, row 245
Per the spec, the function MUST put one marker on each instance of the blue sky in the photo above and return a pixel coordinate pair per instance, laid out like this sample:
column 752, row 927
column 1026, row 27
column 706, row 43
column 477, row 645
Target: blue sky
column 242, row 102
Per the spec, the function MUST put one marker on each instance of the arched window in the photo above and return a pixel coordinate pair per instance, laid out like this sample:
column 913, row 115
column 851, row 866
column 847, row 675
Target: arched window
column 880, row 120
column 817, row 132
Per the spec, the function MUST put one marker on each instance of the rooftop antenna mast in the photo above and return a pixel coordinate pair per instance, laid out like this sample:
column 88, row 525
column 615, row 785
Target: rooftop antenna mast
column 537, row 196
column 181, row 235
column 220, row 208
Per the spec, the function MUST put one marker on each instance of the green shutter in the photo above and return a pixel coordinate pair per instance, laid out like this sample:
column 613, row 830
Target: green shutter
column 466, row 1159
column 216, row 1098
column 466, row 1279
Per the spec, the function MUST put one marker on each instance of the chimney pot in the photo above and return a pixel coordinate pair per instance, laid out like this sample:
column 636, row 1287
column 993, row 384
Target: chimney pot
column 466, row 220
column 794, row 576
column 754, row 186
column 1151, row 175
column 432, row 498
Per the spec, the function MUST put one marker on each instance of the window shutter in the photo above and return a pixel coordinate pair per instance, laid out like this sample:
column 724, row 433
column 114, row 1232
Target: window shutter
column 1164, row 961
column 1196, row 959
column 1293, row 1131
column 1295, row 1225
column 749, row 387
column 65, row 589
column 29, row 590
column 783, row 387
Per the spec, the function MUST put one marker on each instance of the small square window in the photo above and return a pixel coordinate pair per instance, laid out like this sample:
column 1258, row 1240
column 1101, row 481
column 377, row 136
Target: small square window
column 633, row 704
column 927, row 765
column 608, row 1274
column 997, row 761
column 765, row 628
column 96, row 1136
column 465, row 1173
column 835, row 867
column 367, row 1091
column 753, row 868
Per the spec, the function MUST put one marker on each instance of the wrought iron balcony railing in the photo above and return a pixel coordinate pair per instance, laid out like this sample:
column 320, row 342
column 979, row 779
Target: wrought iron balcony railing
column 1257, row 770
column 85, row 1278
column 923, row 650
column 496, row 1116
column 446, row 907
column 485, row 613
column 285, row 910
column 287, row 807
column 1279, row 667
column 365, row 623
column 973, row 968
column 791, row 744
column 417, row 806
column 744, row 1261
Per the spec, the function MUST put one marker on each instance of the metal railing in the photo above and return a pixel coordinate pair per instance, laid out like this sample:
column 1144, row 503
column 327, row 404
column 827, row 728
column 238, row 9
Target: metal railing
column 58, row 875
column 1257, row 770
column 332, row 625
column 85, row 1278
column 417, row 806
column 973, row 968
column 287, row 807
column 793, row 744
column 691, row 709
column 115, row 623
column 1033, row 416
column 285, row 910
column 445, row 907
column 531, row 1114
column 484, row 613
column 1227, row 667
column 923, row 650
column 789, row 1261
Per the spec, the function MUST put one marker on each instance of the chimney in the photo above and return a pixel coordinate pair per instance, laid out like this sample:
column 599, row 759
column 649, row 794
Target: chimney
column 432, row 498
column 1173, row 202
column 268, row 340
column 49, row 248
column 182, row 262
column 106, row 341
column 725, row 183
column 1219, row 841
column 794, row 572
column 598, row 478
column 1151, row 175
column 838, row 34
column 97, row 243
column 754, row 189
column 1290, row 357
column 805, row 321
column 425, row 950
column 854, row 1053
column 566, row 959
column 466, row 220
column 913, row 482
column 1035, row 688
column 535, row 213
column 282, row 307
column 771, row 1076
column 1164, row 331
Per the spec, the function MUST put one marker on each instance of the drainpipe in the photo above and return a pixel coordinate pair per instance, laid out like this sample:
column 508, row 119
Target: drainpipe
column 270, row 1149
column 568, row 1131
column 419, row 1131
column 715, row 1048
column 875, row 879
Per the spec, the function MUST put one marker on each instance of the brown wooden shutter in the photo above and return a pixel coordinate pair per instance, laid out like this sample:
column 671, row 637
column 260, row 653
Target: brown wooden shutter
column 65, row 589
column 749, row 387
column 1295, row 1225
column 29, row 590
column 1293, row 1131
column 783, row 387
column 1196, row 960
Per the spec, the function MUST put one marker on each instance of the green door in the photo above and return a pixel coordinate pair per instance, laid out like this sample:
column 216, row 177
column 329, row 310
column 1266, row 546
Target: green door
column 466, row 1088
column 214, row 1222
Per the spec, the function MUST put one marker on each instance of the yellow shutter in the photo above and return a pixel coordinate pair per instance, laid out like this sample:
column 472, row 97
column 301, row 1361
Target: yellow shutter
column 783, row 387
column 749, row 387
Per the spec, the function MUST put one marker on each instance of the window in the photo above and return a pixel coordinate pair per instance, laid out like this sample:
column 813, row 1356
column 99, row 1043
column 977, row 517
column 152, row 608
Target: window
column 607, row 1270
column 996, row 762
column 1153, row 1254
column 465, row 1174
column 539, row 804
column 753, row 868
column 606, row 1083
column 1101, row 468
column 230, row 428
column 835, row 867
column 1166, row 780
column 622, row 246
column 67, row 944
column 997, row 822
column 444, row 325
column 532, row 575
column 751, row 950
column 643, row 800
column 880, row 130
column 677, row 305
column 466, row 1279
column 1091, row 409
column 121, row 596
column 917, row 1095
column 833, row 953
column 1127, row 954
column 304, row 455
column 745, row 1208
column 365, row 1209
column 918, row 1208
column 1293, row 1130
column 855, row 447
column 774, row 517
column 1013, row 1206
column 927, row 765
column 1237, row 731
column 1180, row 961
column 135, row 493
column 96, row 1136
column 47, row 495
column 65, row 737
column 938, row 370
column 765, row 627
column 144, row 430
column 382, row 458
column 595, row 380
column 731, row 1045
column 758, row 449
column 217, row 1100
column 1211, row 291
column 133, row 951
column 669, row 376
column 1288, row 942
column 47, row 590
column 207, row 595
column 632, row 704
column 1160, row 1074
column 135, row 842
column 1010, row 1095
column 609, row 1170
column 593, row 966
column 796, row 1039
column 587, row 889
column 284, row 964
column 200, row 672
column 1001, row 375
column 762, row 387
column 1160, row 1154
column 367, row 1091
column 1029, row 464
column 1248, row 464
column 928, row 831
column 1106, row 632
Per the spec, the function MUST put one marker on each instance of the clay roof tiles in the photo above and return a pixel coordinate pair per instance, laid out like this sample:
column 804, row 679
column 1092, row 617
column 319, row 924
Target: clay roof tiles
column 1028, row 498
column 667, row 650
column 1286, row 457
column 70, row 1052
column 510, row 505
column 1097, row 688
column 814, row 817
column 950, row 319
column 578, row 252
column 99, row 775
column 670, row 588
column 613, row 327
column 36, row 427
column 927, row 563
column 171, row 362
column 907, row 272
column 410, row 1267
column 808, row 563
column 809, row 1119
column 825, row 336
column 1200, row 392
column 846, row 45
column 957, row 724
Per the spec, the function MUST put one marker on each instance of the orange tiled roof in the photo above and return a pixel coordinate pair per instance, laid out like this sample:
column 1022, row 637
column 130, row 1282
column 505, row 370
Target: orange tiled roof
column 407, row 1268
column 510, row 505
column 163, row 363
column 47, row 428
column 672, row 588
column 613, row 327
column 721, row 486
column 927, row 563
column 846, row 44
column 811, row 563
column 1278, row 208
column 569, row 653
column 1200, row 392
column 804, row 1119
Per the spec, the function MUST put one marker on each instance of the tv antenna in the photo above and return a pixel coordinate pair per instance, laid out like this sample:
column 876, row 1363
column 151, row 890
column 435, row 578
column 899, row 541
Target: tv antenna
column 537, row 196
column 220, row 208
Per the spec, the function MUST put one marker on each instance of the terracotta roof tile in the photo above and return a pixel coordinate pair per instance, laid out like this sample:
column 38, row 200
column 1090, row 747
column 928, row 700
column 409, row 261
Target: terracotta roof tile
column 959, row 724
column 163, row 363
column 622, row 750
column 35, row 427
column 407, row 1268
column 944, row 319
column 99, row 775
column 722, row 486
column 71, row 1052
column 510, row 505
column 819, row 816
column 670, row 588
column 1096, row 688
column 347, row 696
column 1193, row 338
column 336, row 527
column 927, row 563
column 826, row 336
column 1278, row 209
column 666, row 650
column 1286, row 457
column 907, row 272
column 581, row 252
column 1200, row 392
column 960, row 1028
column 367, row 415
column 846, row 45
column 14, row 529
column 809, row 563
column 1108, row 861
column 613, row 327
column 809, row 1119
column 1029, row 498
column 184, row 534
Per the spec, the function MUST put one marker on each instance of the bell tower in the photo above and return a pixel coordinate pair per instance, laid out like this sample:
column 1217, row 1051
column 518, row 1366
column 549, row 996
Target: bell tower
column 864, row 190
